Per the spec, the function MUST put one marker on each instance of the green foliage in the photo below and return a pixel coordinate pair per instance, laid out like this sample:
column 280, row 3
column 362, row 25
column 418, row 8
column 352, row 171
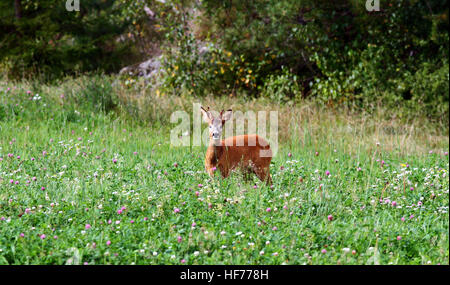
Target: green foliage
column 49, row 41
column 282, row 88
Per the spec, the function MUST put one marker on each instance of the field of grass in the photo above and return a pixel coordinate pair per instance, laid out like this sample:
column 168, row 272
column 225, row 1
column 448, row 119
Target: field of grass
column 80, row 185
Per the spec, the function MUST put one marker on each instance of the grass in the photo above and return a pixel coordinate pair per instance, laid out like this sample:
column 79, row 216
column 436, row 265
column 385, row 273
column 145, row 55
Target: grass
column 84, row 182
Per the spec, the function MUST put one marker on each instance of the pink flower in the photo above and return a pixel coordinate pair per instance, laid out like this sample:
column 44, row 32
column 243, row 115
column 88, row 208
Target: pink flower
column 324, row 251
column 55, row 237
column 119, row 212
column 42, row 188
column 394, row 204
column 145, row 219
column 327, row 173
column 135, row 153
column 108, row 242
column 194, row 225
column 330, row 218
column 274, row 228
column 412, row 188
column 214, row 168
column 411, row 217
column 176, row 210
column 403, row 219
column 87, row 226
column 109, row 222
column 179, row 238
column 255, row 186
column 200, row 185
column 132, row 221
column 175, row 164
column 268, row 210
column 289, row 154
column 114, row 160
column 399, row 237
column 183, row 261
column 42, row 236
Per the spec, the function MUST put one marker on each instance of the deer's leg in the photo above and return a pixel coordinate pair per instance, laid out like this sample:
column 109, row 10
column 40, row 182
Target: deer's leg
column 246, row 172
column 224, row 171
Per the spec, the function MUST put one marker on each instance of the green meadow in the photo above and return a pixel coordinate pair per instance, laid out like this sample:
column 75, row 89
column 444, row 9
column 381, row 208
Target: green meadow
column 88, row 176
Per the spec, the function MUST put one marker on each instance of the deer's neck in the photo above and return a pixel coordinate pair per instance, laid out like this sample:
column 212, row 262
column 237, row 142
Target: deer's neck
column 213, row 153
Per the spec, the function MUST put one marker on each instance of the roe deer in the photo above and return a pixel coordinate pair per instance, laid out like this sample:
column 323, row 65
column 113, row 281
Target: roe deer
column 250, row 153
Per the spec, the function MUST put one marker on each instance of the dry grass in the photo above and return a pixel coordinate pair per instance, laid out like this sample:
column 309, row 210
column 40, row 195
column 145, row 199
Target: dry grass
column 305, row 123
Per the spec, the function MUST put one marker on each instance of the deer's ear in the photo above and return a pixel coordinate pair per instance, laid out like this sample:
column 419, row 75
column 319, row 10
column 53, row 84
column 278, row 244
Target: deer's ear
column 207, row 116
column 226, row 115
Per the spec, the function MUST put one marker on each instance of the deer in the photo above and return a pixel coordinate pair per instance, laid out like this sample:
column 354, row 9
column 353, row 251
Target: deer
column 249, row 153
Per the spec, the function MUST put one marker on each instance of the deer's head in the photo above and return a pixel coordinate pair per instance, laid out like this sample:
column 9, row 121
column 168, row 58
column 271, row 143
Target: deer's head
column 215, row 124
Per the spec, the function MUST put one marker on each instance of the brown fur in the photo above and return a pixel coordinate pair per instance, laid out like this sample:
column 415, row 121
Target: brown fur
column 228, row 156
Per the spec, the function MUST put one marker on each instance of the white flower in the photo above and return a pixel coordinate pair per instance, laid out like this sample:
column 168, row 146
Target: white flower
column 196, row 253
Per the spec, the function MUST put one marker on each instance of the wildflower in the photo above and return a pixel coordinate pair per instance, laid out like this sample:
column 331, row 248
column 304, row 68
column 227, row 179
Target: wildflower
column 194, row 225
column 114, row 160
column 87, row 226
column 183, row 261
column 268, row 210
column 327, row 173
column 324, row 251
column 176, row 210
column 42, row 236
column 330, row 218
column 108, row 242
column 399, row 237
column 200, row 185
column 179, row 239
column 22, row 234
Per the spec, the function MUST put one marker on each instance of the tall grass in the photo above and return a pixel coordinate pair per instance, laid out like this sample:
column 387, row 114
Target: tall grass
column 80, row 184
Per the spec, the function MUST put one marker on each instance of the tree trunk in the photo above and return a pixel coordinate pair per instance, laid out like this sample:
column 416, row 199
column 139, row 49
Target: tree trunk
column 18, row 8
